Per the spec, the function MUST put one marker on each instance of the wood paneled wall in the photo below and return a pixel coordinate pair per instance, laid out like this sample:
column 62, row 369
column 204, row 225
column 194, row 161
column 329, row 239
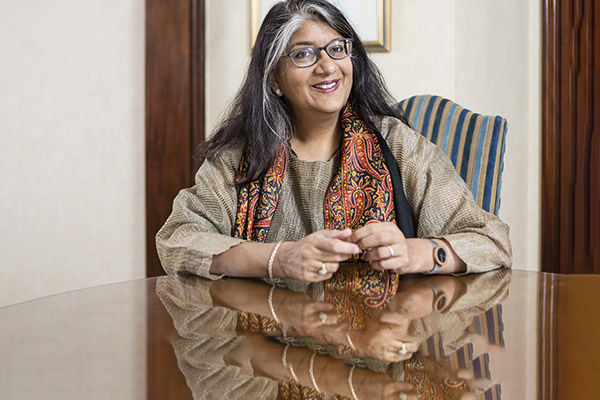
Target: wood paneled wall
column 571, row 136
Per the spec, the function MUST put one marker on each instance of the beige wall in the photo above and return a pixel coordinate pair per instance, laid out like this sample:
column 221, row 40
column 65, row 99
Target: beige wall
column 71, row 145
column 484, row 55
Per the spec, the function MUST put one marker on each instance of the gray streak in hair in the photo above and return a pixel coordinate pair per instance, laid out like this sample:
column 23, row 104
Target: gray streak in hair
column 271, row 103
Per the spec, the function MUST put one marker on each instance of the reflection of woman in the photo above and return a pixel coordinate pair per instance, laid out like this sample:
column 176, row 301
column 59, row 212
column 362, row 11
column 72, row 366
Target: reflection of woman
column 313, row 166
column 220, row 352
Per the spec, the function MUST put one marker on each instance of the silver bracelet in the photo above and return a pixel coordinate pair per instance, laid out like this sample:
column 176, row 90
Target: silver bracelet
column 271, row 259
column 350, row 341
column 270, row 302
column 294, row 375
column 311, row 372
column 284, row 356
column 350, row 385
column 285, row 364
column 284, row 327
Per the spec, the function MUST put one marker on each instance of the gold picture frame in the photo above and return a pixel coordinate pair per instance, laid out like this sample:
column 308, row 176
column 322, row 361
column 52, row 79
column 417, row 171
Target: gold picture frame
column 371, row 18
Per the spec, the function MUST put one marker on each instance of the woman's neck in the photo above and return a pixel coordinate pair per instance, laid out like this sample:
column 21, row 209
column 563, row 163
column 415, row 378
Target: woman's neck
column 316, row 140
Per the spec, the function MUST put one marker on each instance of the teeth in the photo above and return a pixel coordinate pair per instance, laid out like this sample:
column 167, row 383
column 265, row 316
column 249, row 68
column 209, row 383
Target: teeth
column 327, row 86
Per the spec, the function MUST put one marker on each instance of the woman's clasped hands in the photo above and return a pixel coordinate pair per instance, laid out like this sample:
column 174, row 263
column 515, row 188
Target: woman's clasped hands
column 317, row 256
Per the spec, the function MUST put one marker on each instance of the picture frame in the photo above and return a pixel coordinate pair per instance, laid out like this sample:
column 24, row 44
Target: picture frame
column 370, row 18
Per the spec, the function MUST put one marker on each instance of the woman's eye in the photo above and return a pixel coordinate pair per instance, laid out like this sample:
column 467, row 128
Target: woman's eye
column 304, row 53
column 337, row 49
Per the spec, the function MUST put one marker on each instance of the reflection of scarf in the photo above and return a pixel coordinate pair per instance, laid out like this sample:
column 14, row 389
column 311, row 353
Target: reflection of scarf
column 366, row 188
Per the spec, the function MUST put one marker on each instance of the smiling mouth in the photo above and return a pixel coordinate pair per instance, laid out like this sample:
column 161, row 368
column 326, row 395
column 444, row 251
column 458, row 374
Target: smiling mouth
column 326, row 85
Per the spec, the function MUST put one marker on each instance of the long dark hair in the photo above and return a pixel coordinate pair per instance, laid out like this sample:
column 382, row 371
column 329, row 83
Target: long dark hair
column 259, row 118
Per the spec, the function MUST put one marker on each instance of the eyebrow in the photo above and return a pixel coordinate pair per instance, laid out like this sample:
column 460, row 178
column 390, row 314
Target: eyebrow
column 302, row 44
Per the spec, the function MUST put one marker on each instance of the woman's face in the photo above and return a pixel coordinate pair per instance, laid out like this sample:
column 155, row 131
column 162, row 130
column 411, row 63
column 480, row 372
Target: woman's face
column 321, row 89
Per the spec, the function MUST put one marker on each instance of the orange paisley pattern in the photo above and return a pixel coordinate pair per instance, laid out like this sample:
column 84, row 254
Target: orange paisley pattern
column 361, row 193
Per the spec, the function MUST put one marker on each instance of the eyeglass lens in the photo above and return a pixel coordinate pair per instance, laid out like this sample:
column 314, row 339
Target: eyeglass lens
column 307, row 56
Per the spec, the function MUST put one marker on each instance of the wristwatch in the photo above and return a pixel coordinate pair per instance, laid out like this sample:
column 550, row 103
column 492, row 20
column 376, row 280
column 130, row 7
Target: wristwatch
column 439, row 296
column 439, row 257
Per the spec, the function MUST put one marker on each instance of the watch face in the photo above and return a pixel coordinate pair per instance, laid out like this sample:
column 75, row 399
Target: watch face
column 441, row 302
column 441, row 255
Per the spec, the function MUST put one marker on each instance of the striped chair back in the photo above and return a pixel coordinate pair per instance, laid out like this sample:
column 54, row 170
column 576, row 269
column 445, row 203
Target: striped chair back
column 474, row 142
column 491, row 327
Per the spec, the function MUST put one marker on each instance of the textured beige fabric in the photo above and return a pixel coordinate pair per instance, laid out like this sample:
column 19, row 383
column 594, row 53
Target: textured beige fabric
column 203, row 216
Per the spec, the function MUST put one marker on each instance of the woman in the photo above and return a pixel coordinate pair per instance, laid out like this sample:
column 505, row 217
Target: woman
column 314, row 167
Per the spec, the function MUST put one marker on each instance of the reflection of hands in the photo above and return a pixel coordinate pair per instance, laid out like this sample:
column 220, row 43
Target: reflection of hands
column 384, row 337
column 305, row 316
column 378, row 385
column 303, row 259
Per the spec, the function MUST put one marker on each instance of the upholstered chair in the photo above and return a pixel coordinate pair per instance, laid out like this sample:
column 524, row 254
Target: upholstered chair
column 474, row 142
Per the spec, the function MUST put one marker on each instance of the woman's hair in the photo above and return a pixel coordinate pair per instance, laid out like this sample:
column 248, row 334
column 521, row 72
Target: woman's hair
column 259, row 118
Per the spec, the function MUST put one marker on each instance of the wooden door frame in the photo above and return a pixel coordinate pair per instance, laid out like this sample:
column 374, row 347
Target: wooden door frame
column 174, row 130
column 174, row 108
column 570, row 215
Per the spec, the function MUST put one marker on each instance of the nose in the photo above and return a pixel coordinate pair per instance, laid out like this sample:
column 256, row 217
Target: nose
column 325, row 64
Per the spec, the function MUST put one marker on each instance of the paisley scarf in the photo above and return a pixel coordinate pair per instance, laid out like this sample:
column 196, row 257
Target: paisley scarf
column 366, row 188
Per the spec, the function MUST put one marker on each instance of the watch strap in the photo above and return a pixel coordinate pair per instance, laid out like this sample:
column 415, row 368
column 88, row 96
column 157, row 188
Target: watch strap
column 439, row 296
column 436, row 266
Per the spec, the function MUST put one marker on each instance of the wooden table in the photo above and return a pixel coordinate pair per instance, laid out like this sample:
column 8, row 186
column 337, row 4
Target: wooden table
column 501, row 335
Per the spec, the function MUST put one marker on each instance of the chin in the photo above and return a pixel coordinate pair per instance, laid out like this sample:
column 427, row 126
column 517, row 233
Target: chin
column 333, row 108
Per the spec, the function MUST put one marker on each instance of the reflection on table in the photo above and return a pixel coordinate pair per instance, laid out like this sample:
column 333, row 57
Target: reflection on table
column 419, row 337
column 500, row 335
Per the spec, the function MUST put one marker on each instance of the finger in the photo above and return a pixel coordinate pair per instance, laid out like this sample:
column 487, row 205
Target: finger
column 366, row 230
column 372, row 228
column 396, row 321
column 322, row 273
column 330, row 267
column 404, row 395
column 345, row 234
column 394, row 264
column 326, row 318
column 382, row 237
column 375, row 265
column 400, row 357
column 326, row 269
column 319, row 306
column 382, row 252
column 402, row 347
column 336, row 249
column 399, row 390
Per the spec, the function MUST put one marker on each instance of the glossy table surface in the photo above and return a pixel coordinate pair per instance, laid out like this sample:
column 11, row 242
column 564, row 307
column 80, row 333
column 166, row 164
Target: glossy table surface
column 499, row 335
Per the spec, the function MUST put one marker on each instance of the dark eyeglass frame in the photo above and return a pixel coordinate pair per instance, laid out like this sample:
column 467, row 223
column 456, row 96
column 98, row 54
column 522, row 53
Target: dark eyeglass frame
column 347, row 47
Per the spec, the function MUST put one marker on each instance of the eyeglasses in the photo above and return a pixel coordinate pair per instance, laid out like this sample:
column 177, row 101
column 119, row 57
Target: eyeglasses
column 308, row 56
